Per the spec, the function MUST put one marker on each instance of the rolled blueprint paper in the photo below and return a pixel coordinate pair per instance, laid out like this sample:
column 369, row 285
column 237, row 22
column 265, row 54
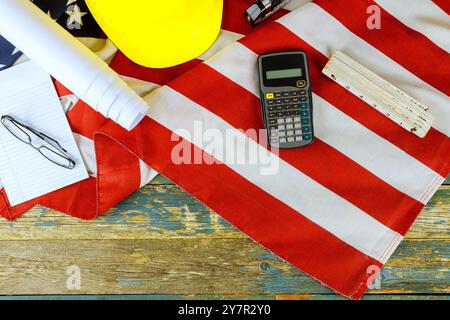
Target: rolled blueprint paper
column 70, row 62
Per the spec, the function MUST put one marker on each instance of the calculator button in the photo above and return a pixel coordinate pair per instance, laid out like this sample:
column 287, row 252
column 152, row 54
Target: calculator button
column 295, row 93
column 270, row 102
column 279, row 114
column 290, row 107
column 301, row 83
column 272, row 114
column 306, row 129
column 280, row 121
column 289, row 126
column 303, row 99
column 278, row 101
column 297, row 126
column 302, row 92
column 299, row 138
column 288, row 120
column 272, row 121
column 277, row 94
column 306, row 137
column 282, row 127
column 272, row 108
column 286, row 101
column 297, row 119
column 298, row 132
column 283, row 140
column 295, row 100
column 291, row 139
column 286, row 94
column 290, row 133
column 304, row 114
column 269, row 96
column 304, row 106
column 305, row 121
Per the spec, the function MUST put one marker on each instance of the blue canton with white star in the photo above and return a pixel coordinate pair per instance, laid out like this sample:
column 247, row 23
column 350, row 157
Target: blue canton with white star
column 73, row 15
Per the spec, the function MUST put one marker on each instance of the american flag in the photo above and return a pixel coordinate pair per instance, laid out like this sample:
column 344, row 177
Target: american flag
column 336, row 208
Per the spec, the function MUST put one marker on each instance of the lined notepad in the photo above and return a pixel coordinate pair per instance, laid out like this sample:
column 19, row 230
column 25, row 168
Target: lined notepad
column 28, row 95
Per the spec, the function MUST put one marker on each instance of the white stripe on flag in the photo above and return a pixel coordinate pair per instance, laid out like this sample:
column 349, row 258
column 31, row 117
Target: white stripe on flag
column 230, row 62
column 294, row 4
column 147, row 173
column 224, row 39
column 87, row 150
column 340, row 131
column 141, row 87
column 424, row 16
column 333, row 213
column 332, row 35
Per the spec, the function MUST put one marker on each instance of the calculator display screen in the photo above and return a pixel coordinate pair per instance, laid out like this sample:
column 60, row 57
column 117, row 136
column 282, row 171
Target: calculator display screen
column 283, row 70
column 286, row 73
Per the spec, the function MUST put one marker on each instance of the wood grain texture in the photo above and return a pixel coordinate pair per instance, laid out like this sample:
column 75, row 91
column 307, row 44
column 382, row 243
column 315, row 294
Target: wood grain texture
column 163, row 210
column 194, row 266
column 162, row 243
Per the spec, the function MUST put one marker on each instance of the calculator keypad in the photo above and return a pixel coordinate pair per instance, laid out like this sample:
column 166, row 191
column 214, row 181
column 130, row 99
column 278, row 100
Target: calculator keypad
column 289, row 117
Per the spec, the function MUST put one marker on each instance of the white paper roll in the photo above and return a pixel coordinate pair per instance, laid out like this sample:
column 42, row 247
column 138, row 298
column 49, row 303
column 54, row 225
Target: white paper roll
column 70, row 62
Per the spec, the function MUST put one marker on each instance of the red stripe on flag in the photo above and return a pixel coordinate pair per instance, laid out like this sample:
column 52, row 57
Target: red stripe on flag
column 270, row 222
column 319, row 161
column 433, row 150
column 12, row 213
column 124, row 66
column 84, row 120
column 407, row 47
column 443, row 4
column 60, row 89
column 118, row 170
column 233, row 16
column 78, row 200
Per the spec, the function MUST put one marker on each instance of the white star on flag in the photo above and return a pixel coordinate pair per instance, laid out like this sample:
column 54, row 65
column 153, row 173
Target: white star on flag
column 75, row 15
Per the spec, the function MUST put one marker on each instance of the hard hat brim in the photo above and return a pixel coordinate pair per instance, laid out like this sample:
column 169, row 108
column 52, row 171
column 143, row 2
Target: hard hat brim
column 160, row 40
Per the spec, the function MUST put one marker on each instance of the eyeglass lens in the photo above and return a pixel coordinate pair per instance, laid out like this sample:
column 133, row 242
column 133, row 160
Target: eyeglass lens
column 16, row 131
column 56, row 158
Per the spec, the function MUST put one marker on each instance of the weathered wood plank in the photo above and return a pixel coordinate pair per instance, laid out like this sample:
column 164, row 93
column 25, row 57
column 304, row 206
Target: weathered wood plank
column 191, row 251
column 195, row 266
column 163, row 210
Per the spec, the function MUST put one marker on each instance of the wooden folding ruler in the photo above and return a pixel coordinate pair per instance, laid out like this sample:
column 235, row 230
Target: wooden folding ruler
column 379, row 93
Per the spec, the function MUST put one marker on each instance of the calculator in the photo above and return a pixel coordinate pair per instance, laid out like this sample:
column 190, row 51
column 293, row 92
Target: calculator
column 286, row 99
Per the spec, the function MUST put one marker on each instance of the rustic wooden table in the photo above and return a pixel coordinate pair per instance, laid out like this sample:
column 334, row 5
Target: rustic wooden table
column 162, row 243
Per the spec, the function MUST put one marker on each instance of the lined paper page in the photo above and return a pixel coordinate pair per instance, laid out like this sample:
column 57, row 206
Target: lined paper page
column 28, row 95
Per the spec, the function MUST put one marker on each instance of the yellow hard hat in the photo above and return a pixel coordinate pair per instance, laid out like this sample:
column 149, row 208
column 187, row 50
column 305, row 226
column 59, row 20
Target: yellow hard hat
column 159, row 33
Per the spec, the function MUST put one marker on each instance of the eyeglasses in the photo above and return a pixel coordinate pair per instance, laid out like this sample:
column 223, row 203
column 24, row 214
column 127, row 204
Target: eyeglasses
column 47, row 147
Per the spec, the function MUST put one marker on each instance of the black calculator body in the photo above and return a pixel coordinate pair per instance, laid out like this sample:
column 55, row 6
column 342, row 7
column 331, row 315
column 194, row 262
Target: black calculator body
column 286, row 99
